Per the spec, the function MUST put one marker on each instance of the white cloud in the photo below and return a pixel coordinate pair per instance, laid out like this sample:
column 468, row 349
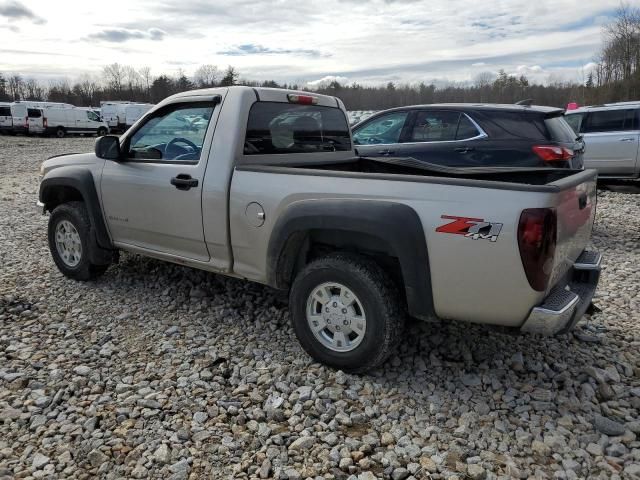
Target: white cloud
column 326, row 80
column 368, row 41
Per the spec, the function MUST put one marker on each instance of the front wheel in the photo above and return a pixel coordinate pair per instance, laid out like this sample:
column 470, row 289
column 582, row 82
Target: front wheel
column 68, row 234
column 346, row 312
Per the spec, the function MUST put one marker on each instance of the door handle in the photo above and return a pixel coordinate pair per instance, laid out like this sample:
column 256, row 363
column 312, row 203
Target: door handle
column 464, row 149
column 184, row 182
column 386, row 152
column 626, row 139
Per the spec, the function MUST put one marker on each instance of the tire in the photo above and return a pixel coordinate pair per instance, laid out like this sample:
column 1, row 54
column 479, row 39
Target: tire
column 72, row 258
column 102, row 132
column 60, row 132
column 376, row 300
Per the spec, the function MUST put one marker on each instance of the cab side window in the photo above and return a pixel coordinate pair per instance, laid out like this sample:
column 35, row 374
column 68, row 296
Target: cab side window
column 175, row 133
column 617, row 120
column 433, row 126
column 93, row 116
column 385, row 129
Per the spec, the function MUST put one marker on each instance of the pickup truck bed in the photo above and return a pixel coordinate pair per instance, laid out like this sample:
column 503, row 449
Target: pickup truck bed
column 268, row 188
column 464, row 274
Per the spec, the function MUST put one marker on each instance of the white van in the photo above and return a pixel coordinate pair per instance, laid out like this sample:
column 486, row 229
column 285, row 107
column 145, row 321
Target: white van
column 38, row 104
column 6, row 120
column 35, row 118
column 63, row 121
column 121, row 115
column 20, row 117
column 109, row 112
column 133, row 113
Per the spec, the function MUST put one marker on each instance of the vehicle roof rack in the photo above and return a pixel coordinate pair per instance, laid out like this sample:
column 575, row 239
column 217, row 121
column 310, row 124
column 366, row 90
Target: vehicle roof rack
column 525, row 103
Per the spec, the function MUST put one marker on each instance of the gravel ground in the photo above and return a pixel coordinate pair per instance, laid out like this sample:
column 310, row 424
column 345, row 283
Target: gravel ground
column 159, row 371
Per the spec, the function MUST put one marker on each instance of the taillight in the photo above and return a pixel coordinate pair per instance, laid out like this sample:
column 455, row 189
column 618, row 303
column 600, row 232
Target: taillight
column 26, row 122
column 537, row 232
column 44, row 122
column 302, row 99
column 553, row 153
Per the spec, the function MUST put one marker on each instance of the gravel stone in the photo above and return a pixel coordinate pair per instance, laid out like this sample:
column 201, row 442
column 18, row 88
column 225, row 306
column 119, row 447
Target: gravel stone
column 156, row 370
column 607, row 426
column 39, row 461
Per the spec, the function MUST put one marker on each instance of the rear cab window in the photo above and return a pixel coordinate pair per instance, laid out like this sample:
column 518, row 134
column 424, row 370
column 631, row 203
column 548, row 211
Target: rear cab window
column 34, row 113
column 281, row 128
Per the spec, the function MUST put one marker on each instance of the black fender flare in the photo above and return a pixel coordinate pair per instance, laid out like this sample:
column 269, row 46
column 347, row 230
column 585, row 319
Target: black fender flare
column 397, row 225
column 81, row 180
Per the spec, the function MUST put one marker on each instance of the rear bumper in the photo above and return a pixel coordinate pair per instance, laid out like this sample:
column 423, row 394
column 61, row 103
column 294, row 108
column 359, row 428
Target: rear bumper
column 567, row 302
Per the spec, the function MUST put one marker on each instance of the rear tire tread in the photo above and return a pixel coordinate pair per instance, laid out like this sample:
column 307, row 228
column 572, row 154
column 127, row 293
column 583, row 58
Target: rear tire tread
column 386, row 298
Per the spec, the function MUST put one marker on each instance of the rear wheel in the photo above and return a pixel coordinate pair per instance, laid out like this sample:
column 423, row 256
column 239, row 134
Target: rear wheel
column 60, row 132
column 68, row 234
column 102, row 132
column 346, row 312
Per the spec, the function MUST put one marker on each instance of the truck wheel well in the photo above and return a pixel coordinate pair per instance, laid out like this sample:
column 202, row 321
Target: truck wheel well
column 62, row 194
column 301, row 248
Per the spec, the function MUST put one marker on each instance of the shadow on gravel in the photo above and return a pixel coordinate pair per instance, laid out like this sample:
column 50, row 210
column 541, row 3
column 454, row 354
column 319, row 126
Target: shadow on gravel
column 620, row 186
column 433, row 358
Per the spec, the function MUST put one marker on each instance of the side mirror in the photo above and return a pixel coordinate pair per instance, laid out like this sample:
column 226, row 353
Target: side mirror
column 108, row 147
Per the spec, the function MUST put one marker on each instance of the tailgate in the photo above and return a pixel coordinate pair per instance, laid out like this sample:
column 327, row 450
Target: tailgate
column 575, row 205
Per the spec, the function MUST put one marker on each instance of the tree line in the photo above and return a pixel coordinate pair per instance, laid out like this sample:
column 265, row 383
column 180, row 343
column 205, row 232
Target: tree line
column 615, row 77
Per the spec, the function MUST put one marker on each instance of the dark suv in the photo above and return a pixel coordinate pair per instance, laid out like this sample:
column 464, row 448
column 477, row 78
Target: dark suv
column 469, row 135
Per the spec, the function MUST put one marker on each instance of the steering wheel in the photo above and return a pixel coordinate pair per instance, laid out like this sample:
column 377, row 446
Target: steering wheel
column 187, row 142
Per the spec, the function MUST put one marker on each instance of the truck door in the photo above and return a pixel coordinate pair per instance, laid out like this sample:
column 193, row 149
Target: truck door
column 152, row 199
column 611, row 138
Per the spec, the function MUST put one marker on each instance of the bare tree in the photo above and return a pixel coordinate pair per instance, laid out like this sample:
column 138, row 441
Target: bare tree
column 206, row 76
column 114, row 76
column 16, row 87
column 147, row 80
column 87, row 88
column 33, row 90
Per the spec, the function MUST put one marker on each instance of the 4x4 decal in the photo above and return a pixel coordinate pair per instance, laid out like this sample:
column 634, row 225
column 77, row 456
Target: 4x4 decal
column 475, row 228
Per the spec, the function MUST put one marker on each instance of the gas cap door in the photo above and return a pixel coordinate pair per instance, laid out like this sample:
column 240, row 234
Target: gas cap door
column 255, row 214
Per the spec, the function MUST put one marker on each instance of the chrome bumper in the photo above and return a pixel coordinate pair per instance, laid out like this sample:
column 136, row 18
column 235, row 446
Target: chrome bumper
column 40, row 207
column 566, row 303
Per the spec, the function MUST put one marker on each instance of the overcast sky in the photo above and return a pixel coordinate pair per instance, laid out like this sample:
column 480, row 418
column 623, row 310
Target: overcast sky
column 368, row 41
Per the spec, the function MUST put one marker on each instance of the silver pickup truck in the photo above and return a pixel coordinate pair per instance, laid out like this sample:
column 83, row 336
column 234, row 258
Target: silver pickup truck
column 264, row 185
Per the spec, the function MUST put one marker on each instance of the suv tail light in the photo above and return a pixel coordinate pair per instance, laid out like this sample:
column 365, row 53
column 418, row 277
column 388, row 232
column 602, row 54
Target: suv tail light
column 537, row 232
column 553, row 153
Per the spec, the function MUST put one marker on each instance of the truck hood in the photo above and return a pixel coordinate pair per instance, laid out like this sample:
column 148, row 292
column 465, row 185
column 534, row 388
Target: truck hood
column 69, row 159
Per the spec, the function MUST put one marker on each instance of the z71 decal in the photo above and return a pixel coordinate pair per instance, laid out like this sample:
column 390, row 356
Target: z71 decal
column 475, row 228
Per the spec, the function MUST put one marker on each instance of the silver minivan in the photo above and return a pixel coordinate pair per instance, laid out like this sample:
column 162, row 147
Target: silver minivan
column 612, row 135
